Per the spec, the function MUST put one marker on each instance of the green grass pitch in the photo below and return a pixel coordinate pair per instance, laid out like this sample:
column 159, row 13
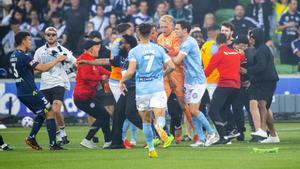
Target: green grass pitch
column 235, row 156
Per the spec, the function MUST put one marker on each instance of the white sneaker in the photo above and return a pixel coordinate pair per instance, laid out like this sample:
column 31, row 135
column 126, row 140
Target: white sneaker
column 271, row 139
column 88, row 144
column 260, row 133
column 211, row 139
column 106, row 144
column 198, row 144
column 133, row 142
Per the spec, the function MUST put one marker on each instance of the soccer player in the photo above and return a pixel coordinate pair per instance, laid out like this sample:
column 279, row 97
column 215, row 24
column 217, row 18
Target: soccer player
column 227, row 61
column 3, row 146
column 194, row 82
column 56, row 80
column 147, row 61
column 173, row 82
column 23, row 65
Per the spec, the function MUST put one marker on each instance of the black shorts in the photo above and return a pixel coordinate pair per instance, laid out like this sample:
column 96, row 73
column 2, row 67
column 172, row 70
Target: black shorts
column 36, row 102
column 107, row 99
column 55, row 93
column 262, row 91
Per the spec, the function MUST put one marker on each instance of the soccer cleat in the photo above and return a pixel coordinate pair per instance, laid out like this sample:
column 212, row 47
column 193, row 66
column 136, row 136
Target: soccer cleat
column 56, row 147
column 198, row 144
column 133, row 143
column 106, row 144
column 260, row 133
column 178, row 135
column 153, row 154
column 241, row 137
column 32, row 143
column 127, row 144
column 63, row 141
column 223, row 141
column 234, row 134
column 196, row 138
column 271, row 139
column 116, row 146
column 5, row 147
column 168, row 142
column 211, row 139
column 186, row 138
column 156, row 142
column 88, row 144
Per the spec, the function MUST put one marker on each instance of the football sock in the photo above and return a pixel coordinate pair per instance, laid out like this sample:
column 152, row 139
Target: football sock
column 133, row 130
column 93, row 130
column 37, row 124
column 205, row 123
column 51, row 128
column 148, row 133
column 198, row 128
column 125, row 128
column 1, row 140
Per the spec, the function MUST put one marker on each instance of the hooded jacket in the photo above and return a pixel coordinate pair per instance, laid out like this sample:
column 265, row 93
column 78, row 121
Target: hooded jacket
column 263, row 68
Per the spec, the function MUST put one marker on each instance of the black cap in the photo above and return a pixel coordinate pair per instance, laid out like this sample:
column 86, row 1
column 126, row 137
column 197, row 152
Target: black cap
column 90, row 43
column 95, row 34
column 241, row 39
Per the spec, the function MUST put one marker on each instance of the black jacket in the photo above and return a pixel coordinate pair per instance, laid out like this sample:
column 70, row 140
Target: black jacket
column 263, row 68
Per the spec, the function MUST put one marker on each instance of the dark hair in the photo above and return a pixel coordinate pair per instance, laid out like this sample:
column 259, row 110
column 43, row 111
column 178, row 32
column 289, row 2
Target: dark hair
column 239, row 5
column 143, row 1
column 100, row 5
column 130, row 40
column 145, row 29
column 56, row 15
column 221, row 38
column 228, row 25
column 134, row 3
column 184, row 25
column 212, row 28
column 14, row 22
column 19, row 37
column 160, row 2
column 122, row 27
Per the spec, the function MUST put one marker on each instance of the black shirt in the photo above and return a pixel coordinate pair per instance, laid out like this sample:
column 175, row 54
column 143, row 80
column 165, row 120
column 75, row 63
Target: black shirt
column 243, row 25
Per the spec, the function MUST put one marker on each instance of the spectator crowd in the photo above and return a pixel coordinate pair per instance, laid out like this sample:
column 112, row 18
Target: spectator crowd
column 75, row 20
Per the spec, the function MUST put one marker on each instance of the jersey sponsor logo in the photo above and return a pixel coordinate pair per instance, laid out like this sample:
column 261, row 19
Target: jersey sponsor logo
column 230, row 53
column 147, row 79
column 194, row 95
column 92, row 105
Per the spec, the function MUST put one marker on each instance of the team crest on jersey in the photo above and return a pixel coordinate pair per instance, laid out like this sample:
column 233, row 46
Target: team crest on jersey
column 92, row 105
column 195, row 95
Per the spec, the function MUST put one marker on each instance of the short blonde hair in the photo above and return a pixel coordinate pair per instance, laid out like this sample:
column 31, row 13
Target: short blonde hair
column 167, row 18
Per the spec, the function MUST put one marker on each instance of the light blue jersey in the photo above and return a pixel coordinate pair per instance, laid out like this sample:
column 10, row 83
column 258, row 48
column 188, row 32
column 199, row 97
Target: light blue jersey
column 193, row 69
column 150, row 59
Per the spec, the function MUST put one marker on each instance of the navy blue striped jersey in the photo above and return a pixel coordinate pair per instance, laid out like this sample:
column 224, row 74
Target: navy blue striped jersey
column 22, row 65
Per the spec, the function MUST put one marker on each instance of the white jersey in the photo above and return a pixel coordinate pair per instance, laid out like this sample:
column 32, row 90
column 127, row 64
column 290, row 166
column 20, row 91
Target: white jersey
column 58, row 75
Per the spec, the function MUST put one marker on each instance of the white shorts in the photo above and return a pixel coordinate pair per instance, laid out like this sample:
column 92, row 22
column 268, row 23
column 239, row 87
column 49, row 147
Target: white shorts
column 211, row 89
column 155, row 100
column 115, row 89
column 193, row 93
